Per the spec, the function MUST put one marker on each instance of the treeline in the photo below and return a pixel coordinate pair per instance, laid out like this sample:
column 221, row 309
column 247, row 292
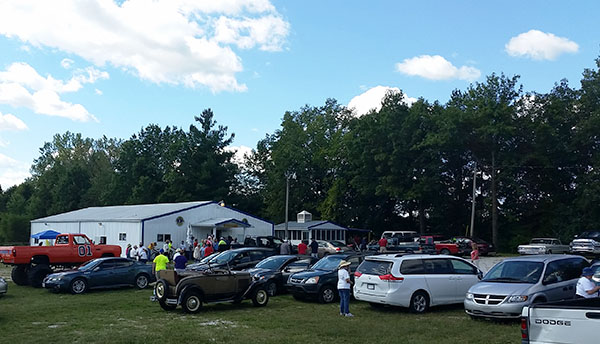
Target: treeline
column 402, row 167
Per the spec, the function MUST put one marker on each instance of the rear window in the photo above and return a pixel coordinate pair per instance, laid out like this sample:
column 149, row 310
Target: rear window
column 589, row 235
column 412, row 267
column 374, row 267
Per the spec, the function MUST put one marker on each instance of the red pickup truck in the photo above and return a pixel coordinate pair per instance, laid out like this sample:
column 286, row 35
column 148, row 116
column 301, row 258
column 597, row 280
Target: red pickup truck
column 31, row 264
column 441, row 247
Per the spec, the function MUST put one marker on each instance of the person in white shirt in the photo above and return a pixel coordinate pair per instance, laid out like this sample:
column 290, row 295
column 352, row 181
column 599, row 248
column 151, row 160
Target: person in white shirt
column 142, row 254
column 343, row 286
column 586, row 288
column 133, row 254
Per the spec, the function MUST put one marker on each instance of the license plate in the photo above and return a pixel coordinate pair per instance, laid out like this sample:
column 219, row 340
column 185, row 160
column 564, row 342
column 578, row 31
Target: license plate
column 371, row 286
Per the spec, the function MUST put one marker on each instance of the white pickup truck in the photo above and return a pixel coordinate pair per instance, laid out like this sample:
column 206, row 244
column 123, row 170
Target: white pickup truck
column 566, row 322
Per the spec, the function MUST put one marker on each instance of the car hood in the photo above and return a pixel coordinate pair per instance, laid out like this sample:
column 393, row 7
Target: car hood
column 63, row 274
column 584, row 241
column 500, row 288
column 311, row 273
column 261, row 271
column 532, row 246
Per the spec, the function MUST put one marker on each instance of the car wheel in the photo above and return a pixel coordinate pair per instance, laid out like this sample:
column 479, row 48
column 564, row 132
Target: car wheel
column 191, row 301
column 260, row 298
column 37, row 274
column 19, row 275
column 326, row 294
column 141, row 281
column 166, row 306
column 78, row 286
column 160, row 290
column 419, row 302
column 271, row 288
column 445, row 251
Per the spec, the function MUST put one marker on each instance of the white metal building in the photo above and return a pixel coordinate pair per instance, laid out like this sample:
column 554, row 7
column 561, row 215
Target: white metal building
column 132, row 224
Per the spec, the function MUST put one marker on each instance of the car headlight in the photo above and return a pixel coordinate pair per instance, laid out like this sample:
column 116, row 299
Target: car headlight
column 312, row 280
column 517, row 298
column 469, row 296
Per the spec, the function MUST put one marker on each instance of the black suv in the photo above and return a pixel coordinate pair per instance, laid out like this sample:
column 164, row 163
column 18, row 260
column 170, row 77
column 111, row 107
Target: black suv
column 236, row 259
column 320, row 281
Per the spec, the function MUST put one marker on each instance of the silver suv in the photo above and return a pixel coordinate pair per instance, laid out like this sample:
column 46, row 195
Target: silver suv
column 520, row 281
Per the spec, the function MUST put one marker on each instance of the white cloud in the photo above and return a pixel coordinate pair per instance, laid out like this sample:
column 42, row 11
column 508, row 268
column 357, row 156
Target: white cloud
column 239, row 151
column 22, row 86
column 98, row 92
column 66, row 63
column 436, row 68
column 12, row 172
column 538, row 45
column 11, row 122
column 185, row 42
column 371, row 99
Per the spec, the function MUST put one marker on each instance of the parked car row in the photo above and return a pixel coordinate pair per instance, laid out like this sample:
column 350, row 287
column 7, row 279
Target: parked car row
column 585, row 244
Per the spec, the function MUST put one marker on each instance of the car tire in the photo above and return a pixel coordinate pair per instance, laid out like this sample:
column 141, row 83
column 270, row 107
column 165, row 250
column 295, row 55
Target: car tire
column 445, row 251
column 260, row 297
column 271, row 288
column 37, row 274
column 326, row 294
column 161, row 288
column 19, row 275
column 142, row 281
column 191, row 301
column 166, row 306
column 78, row 286
column 419, row 302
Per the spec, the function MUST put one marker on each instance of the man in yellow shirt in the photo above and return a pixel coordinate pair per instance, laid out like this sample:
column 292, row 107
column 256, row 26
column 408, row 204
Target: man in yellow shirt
column 160, row 263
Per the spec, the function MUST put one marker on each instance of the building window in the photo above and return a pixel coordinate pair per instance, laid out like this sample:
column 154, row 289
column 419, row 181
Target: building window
column 102, row 240
column 122, row 237
column 163, row 237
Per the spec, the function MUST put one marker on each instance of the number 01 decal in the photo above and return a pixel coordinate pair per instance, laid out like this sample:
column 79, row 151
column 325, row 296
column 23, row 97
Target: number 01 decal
column 84, row 250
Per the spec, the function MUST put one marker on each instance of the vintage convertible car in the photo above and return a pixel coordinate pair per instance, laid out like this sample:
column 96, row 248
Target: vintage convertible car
column 191, row 289
column 543, row 246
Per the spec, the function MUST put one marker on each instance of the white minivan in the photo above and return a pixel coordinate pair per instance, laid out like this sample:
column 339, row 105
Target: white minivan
column 414, row 281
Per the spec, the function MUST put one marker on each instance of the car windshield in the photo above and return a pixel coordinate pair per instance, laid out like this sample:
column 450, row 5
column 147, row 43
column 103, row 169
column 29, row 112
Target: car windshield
column 88, row 266
column 272, row 263
column 589, row 235
column 328, row 263
column 337, row 244
column 208, row 258
column 515, row 272
column 277, row 241
column 540, row 241
column 224, row 257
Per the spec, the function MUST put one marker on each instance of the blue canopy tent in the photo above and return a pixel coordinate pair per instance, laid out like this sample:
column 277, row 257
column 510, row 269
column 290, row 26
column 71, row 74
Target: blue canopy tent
column 47, row 234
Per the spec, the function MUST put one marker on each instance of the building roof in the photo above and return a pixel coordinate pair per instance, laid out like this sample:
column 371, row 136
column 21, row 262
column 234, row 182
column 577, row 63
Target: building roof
column 122, row 213
column 222, row 221
column 311, row 225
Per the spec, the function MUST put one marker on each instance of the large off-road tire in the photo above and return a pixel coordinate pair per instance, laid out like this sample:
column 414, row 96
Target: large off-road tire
column 78, row 286
column 19, row 274
column 37, row 274
column 419, row 302
column 191, row 301
column 326, row 294
column 271, row 288
column 161, row 288
column 166, row 306
column 142, row 281
column 260, row 297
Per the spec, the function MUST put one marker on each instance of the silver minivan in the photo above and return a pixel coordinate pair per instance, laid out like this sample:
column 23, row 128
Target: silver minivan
column 520, row 281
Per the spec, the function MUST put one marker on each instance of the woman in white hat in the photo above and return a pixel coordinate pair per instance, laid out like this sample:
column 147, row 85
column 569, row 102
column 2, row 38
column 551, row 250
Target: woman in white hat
column 343, row 286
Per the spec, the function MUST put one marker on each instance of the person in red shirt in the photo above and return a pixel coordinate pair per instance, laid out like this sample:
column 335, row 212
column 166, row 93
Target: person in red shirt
column 302, row 247
column 382, row 244
column 208, row 250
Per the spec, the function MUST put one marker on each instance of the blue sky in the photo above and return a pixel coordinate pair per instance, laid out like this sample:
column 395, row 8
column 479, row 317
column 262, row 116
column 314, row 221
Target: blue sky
column 111, row 68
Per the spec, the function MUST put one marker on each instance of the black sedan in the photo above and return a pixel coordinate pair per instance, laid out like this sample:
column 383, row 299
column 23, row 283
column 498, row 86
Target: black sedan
column 101, row 273
column 275, row 270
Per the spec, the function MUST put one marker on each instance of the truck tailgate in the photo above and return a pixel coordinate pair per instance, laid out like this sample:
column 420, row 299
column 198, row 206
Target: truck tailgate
column 551, row 325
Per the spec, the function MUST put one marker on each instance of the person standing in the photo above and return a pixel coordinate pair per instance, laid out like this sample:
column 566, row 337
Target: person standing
column 382, row 244
column 314, row 248
column 160, row 262
column 142, row 254
column 363, row 245
column 474, row 254
column 285, row 247
column 343, row 286
column 180, row 261
column 302, row 247
column 133, row 254
column 208, row 250
column 128, row 250
column 586, row 288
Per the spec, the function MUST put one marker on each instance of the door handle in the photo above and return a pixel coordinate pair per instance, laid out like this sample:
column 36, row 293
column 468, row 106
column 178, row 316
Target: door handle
column 592, row 315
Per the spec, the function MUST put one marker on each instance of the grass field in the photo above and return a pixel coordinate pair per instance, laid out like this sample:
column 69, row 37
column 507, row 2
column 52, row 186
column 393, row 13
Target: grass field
column 29, row 315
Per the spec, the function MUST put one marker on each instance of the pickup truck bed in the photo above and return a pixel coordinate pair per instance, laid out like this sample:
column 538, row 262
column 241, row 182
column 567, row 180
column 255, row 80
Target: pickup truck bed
column 567, row 322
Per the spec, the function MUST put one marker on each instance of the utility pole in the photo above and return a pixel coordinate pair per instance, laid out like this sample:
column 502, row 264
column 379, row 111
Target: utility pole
column 473, row 202
column 287, row 202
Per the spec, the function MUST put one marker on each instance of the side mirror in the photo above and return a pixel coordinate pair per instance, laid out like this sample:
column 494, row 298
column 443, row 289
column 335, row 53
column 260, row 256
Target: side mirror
column 479, row 274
